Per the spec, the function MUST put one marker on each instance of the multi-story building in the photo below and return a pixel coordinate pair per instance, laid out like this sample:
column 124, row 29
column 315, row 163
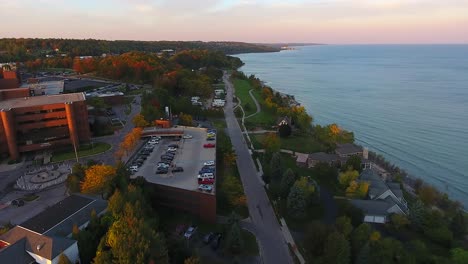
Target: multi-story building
column 42, row 122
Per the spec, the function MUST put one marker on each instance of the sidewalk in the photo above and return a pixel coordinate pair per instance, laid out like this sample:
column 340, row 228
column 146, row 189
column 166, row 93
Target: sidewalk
column 290, row 240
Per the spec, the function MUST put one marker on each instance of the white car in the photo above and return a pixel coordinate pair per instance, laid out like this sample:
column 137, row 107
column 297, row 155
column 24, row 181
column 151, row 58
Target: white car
column 206, row 188
column 133, row 168
column 187, row 136
column 153, row 141
column 163, row 165
column 156, row 137
column 209, row 163
column 190, row 231
column 172, row 149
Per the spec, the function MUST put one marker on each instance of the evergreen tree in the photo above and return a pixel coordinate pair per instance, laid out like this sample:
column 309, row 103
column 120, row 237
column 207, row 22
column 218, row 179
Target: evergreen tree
column 287, row 182
column 275, row 167
column 234, row 241
column 344, row 226
column 337, row 249
column 363, row 255
column 360, row 237
column 416, row 213
column 459, row 224
column 296, row 202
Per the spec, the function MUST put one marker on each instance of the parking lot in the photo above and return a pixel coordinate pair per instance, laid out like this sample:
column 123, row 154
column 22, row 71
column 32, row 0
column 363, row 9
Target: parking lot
column 190, row 155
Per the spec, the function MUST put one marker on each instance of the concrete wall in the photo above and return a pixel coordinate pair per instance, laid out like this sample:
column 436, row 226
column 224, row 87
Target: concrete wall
column 202, row 205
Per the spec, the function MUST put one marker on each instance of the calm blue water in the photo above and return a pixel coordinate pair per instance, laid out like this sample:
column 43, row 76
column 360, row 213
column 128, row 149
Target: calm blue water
column 407, row 102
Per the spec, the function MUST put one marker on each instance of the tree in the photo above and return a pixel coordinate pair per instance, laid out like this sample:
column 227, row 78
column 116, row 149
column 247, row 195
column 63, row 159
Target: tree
column 275, row 167
column 359, row 237
column 399, row 221
column 337, row 249
column 192, row 260
column 307, row 187
column 73, row 183
column 97, row 179
column 234, row 241
column 284, row 130
column 287, row 181
column 353, row 163
column 344, row 226
column 63, row 259
column 271, row 143
column 459, row 224
column 185, row 119
column 315, row 236
column 428, row 194
column 386, row 251
column 459, row 256
column 416, row 213
column 419, row 251
column 296, row 202
column 345, row 178
column 140, row 121
column 363, row 255
column 374, row 236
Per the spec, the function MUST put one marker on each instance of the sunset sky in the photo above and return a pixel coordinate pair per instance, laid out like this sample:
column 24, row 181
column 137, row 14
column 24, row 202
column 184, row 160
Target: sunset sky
column 320, row 21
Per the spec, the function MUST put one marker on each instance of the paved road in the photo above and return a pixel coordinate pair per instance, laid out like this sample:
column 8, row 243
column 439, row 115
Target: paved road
column 267, row 229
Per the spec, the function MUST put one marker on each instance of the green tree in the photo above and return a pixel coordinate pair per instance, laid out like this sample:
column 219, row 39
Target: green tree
column 363, row 255
column 234, row 241
column 284, row 130
column 345, row 178
column 63, row 259
column 459, row 224
column 73, row 183
column 359, row 237
column 344, row 226
column 307, row 187
column 315, row 236
column 271, row 143
column 296, row 202
column 459, row 256
column 337, row 249
column 275, row 167
column 416, row 213
column 386, row 251
column 353, row 163
column 428, row 194
column 419, row 251
column 97, row 102
column 287, row 181
column 399, row 221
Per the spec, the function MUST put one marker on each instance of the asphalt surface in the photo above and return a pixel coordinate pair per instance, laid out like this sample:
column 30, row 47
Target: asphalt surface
column 265, row 225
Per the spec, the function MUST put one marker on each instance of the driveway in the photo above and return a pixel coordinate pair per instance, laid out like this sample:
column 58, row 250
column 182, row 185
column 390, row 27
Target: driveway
column 266, row 227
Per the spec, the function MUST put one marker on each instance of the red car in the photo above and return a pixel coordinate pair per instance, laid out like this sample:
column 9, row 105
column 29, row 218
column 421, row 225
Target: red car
column 209, row 145
column 206, row 181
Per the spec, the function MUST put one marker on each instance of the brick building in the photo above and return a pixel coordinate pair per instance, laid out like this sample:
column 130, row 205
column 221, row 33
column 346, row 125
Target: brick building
column 42, row 122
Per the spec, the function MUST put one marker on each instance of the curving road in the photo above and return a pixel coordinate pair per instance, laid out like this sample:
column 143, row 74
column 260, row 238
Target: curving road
column 266, row 227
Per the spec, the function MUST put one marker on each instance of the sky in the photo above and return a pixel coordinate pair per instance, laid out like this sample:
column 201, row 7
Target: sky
column 257, row 21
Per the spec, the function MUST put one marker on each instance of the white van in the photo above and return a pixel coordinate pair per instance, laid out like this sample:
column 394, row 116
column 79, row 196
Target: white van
column 205, row 176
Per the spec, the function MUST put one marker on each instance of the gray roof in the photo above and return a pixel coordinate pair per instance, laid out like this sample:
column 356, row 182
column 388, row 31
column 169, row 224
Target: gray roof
column 373, row 207
column 324, row 157
column 16, row 253
column 44, row 246
column 347, row 149
column 75, row 209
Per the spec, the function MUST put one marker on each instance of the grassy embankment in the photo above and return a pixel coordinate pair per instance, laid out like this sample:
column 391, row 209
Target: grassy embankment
column 83, row 151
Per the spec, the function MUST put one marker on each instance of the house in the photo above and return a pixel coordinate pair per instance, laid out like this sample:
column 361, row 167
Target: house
column 385, row 198
column 21, row 245
column 349, row 149
column 322, row 157
column 301, row 160
column 284, row 121
column 45, row 236
column 342, row 153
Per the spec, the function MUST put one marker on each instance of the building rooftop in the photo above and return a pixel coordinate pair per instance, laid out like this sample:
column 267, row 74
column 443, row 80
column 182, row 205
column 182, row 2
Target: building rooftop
column 347, row 149
column 44, row 246
column 62, row 212
column 324, row 157
column 41, row 100
column 190, row 156
column 374, row 207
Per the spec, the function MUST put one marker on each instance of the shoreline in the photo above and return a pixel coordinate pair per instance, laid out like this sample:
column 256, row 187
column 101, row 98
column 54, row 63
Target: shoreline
column 407, row 180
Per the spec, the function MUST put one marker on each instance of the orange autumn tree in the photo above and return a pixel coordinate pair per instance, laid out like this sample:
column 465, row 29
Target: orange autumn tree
column 97, row 179
column 129, row 142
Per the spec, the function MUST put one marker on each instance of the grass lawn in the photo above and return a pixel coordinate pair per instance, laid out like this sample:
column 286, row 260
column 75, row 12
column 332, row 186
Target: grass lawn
column 250, row 243
column 242, row 91
column 83, row 151
column 303, row 144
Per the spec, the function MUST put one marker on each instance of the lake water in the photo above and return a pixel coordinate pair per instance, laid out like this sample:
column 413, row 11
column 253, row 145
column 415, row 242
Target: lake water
column 407, row 102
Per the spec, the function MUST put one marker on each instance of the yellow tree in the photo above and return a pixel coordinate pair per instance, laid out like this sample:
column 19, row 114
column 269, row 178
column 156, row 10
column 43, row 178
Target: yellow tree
column 139, row 121
column 185, row 119
column 335, row 129
column 345, row 178
column 97, row 178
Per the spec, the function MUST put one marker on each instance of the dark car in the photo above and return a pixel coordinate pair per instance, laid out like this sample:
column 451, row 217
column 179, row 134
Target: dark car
column 208, row 167
column 173, row 146
column 211, row 139
column 144, row 154
column 216, row 241
column 205, row 171
column 208, row 237
column 170, row 153
column 162, row 171
column 167, row 157
column 168, row 161
column 177, row 169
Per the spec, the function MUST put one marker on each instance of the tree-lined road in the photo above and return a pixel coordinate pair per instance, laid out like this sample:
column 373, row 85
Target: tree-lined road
column 267, row 229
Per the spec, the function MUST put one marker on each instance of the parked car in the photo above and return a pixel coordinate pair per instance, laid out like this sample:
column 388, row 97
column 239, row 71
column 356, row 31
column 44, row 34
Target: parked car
column 144, row 154
column 163, row 165
column 209, row 163
column 162, row 171
column 206, row 181
column 210, row 138
column 173, row 146
column 153, row 141
column 171, row 149
column 165, row 160
column 187, row 136
column 156, row 137
column 178, row 169
column 167, row 157
column 209, row 145
column 216, row 242
column 141, row 157
column 206, row 188
column 172, row 154
column 133, row 168
column 208, row 237
column 190, row 232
